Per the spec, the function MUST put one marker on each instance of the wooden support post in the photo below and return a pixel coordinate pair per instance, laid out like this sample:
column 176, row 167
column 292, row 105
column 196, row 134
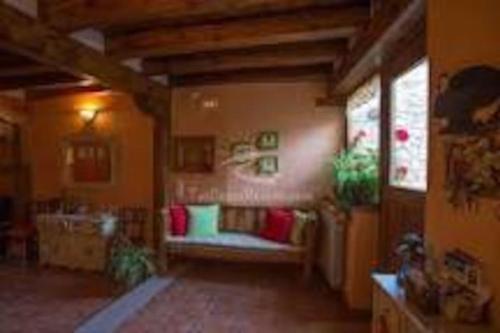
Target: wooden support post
column 161, row 149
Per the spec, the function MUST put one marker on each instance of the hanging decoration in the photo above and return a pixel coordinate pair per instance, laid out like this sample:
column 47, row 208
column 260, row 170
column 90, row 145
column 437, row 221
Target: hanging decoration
column 468, row 108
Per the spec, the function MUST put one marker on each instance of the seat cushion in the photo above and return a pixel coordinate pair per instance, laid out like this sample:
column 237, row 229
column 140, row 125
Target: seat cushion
column 233, row 240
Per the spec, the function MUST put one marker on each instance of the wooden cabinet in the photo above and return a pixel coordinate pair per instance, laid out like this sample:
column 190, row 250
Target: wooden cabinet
column 361, row 253
column 392, row 313
column 72, row 242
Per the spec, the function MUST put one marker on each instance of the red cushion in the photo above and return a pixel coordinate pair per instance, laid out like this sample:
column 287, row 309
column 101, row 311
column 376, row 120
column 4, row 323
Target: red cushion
column 178, row 220
column 278, row 225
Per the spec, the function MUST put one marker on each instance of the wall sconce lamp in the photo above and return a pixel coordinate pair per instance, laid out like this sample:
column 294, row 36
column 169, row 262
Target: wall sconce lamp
column 89, row 114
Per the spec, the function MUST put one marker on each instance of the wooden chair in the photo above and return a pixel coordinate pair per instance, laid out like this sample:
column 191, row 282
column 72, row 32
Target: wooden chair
column 132, row 223
column 22, row 236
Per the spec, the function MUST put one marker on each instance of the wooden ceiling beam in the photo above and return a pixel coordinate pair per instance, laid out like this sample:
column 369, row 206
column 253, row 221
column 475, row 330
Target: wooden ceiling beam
column 64, row 90
column 28, row 37
column 13, row 71
column 40, row 80
column 394, row 19
column 312, row 25
column 275, row 74
column 70, row 15
column 294, row 54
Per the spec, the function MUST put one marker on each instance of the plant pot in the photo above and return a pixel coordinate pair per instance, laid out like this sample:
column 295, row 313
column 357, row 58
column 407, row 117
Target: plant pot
column 361, row 253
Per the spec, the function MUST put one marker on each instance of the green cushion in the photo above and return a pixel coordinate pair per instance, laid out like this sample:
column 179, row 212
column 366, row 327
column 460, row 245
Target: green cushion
column 297, row 236
column 203, row 220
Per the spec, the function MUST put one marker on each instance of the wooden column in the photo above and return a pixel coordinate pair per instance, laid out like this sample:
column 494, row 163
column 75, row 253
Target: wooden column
column 161, row 112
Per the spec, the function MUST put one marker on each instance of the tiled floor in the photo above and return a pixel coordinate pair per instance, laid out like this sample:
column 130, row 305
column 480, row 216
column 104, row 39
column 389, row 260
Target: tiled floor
column 218, row 297
column 36, row 300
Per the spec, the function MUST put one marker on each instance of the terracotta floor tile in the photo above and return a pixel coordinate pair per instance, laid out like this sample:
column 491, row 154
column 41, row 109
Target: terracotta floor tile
column 245, row 298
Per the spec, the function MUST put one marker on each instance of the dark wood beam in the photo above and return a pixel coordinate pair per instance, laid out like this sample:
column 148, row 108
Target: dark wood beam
column 312, row 25
column 275, row 74
column 26, row 70
column 37, row 80
column 64, row 90
column 161, row 151
column 69, row 15
column 26, row 36
column 294, row 54
column 394, row 19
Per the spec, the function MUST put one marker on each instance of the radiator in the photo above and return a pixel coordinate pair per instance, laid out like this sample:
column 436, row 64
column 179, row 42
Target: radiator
column 331, row 259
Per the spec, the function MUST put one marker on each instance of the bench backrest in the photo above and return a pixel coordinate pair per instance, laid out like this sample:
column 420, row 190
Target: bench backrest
column 240, row 218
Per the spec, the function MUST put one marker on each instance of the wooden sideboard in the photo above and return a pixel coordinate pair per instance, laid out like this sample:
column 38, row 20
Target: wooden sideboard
column 392, row 313
column 72, row 241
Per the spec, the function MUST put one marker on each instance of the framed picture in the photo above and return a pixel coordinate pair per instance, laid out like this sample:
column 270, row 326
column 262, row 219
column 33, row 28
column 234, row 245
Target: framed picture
column 268, row 140
column 194, row 154
column 267, row 165
column 89, row 162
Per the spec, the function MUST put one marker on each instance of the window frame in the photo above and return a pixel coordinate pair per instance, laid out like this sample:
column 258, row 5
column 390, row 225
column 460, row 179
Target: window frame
column 374, row 76
column 390, row 93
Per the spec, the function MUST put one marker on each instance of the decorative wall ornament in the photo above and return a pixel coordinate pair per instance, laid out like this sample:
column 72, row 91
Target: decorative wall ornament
column 469, row 101
column 268, row 140
column 249, row 154
column 267, row 165
column 241, row 152
column 469, row 109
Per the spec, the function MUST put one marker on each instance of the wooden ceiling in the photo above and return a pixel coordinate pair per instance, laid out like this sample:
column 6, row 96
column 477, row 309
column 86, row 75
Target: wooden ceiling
column 205, row 41
column 20, row 72
column 189, row 40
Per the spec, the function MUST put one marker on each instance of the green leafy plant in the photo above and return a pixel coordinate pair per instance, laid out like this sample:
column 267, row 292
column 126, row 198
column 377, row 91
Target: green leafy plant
column 130, row 264
column 355, row 176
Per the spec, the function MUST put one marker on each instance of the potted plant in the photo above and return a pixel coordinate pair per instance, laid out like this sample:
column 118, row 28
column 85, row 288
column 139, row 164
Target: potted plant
column 356, row 178
column 355, row 174
column 130, row 264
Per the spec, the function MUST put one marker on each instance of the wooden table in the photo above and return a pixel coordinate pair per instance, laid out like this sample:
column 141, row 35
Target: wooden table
column 72, row 241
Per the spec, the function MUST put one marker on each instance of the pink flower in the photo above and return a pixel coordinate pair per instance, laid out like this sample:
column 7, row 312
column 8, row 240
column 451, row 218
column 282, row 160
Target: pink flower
column 402, row 135
column 401, row 172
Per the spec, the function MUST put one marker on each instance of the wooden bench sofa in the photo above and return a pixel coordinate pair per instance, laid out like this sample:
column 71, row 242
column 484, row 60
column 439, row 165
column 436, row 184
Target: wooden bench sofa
column 238, row 241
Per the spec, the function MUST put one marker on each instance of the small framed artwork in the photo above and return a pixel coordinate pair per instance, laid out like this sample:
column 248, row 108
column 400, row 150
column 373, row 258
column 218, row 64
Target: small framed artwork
column 89, row 162
column 268, row 140
column 267, row 165
column 194, row 154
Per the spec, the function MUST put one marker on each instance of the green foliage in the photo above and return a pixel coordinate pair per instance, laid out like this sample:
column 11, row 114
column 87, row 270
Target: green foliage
column 355, row 176
column 130, row 264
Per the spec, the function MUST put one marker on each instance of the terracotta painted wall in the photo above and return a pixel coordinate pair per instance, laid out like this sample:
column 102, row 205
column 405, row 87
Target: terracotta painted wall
column 462, row 33
column 51, row 120
column 308, row 137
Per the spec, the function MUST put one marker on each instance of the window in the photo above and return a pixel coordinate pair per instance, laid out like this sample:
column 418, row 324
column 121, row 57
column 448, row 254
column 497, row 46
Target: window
column 363, row 116
column 409, row 128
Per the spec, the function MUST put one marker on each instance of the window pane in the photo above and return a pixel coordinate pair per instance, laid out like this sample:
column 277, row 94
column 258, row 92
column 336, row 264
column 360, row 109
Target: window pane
column 409, row 126
column 363, row 116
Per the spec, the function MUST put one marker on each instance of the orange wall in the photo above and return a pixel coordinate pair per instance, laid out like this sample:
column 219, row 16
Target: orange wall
column 51, row 120
column 462, row 33
column 308, row 137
